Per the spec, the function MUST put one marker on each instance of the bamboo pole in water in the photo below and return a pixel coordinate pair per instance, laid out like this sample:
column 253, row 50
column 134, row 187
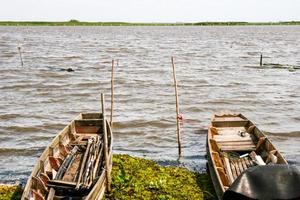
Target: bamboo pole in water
column 108, row 179
column 20, row 53
column 112, row 94
column 177, row 107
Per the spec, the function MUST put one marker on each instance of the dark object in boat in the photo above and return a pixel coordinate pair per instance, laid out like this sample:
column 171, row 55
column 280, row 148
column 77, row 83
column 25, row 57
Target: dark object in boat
column 266, row 182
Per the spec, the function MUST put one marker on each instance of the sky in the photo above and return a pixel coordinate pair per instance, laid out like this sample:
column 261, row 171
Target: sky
column 150, row 10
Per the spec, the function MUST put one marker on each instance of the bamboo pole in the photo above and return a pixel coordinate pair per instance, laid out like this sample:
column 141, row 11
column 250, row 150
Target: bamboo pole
column 112, row 93
column 20, row 53
column 177, row 107
column 108, row 179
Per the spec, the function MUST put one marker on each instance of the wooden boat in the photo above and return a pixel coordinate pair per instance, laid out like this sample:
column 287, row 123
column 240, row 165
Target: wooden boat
column 73, row 165
column 234, row 146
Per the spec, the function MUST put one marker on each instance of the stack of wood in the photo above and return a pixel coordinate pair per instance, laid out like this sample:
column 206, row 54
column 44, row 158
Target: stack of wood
column 76, row 173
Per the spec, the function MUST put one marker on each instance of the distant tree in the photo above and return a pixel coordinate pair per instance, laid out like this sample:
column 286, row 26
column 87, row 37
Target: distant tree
column 74, row 21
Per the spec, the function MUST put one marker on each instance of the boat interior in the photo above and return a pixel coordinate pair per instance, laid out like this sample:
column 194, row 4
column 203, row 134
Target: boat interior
column 236, row 144
column 72, row 163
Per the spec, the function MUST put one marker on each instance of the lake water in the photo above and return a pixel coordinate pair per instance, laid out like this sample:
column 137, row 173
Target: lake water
column 217, row 69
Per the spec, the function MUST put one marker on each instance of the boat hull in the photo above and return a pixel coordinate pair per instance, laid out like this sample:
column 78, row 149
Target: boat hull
column 85, row 125
column 231, row 139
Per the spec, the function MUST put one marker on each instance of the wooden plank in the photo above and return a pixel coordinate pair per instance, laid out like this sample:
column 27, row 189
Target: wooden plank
column 217, row 159
column 83, row 163
column 42, row 166
column 214, row 145
column 228, row 170
column 260, row 142
column 236, row 142
column 231, row 119
column 62, row 183
column 230, row 123
column 251, row 163
column 237, row 148
column 238, row 171
column 234, row 173
column 36, row 195
column 232, row 137
column 243, row 163
column 91, row 115
column 248, row 162
column 51, row 194
column 70, row 175
column 88, row 126
column 223, row 176
column 239, row 145
column 51, row 151
column 230, row 131
column 240, row 166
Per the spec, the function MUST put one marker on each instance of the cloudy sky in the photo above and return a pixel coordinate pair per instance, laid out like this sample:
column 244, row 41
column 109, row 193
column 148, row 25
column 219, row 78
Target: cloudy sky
column 150, row 10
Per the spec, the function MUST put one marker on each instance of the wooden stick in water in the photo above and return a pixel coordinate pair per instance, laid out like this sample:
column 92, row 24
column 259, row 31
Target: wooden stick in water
column 108, row 180
column 177, row 107
column 20, row 53
column 112, row 93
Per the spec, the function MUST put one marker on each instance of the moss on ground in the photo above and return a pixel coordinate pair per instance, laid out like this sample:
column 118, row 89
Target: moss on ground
column 10, row 192
column 137, row 178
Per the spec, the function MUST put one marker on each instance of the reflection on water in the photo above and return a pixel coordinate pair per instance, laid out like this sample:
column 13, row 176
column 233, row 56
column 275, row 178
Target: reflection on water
column 213, row 72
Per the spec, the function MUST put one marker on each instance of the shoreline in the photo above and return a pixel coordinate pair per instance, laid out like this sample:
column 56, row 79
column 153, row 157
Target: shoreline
column 79, row 23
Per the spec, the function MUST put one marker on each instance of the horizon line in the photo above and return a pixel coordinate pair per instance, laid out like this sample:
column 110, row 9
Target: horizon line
column 178, row 22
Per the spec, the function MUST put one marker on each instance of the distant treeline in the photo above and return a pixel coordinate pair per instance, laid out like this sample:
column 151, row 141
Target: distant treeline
column 79, row 23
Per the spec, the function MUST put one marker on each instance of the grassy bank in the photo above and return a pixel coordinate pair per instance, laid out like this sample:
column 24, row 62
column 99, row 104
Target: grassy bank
column 79, row 23
column 10, row 192
column 137, row 178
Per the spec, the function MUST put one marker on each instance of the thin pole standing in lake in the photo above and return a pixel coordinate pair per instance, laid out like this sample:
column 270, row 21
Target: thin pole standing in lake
column 107, row 170
column 20, row 53
column 112, row 93
column 177, row 107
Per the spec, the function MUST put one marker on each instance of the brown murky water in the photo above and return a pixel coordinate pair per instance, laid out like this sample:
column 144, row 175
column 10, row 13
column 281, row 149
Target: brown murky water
column 217, row 69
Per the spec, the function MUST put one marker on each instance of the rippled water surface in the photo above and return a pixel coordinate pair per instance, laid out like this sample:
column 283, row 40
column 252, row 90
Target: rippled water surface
column 217, row 69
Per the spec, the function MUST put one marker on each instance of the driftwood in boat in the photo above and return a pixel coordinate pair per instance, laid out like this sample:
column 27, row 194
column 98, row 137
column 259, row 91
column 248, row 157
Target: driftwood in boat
column 71, row 173
column 66, row 163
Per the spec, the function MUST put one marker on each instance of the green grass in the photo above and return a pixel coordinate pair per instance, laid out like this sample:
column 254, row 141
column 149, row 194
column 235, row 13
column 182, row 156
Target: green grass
column 10, row 192
column 137, row 178
column 79, row 23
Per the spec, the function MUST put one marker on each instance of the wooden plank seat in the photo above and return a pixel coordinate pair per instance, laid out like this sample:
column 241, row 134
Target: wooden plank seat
column 83, row 126
column 232, row 138
column 246, row 145
column 231, row 131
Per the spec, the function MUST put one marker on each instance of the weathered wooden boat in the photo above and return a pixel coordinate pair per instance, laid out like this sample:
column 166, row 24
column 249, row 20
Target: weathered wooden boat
column 244, row 164
column 73, row 165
